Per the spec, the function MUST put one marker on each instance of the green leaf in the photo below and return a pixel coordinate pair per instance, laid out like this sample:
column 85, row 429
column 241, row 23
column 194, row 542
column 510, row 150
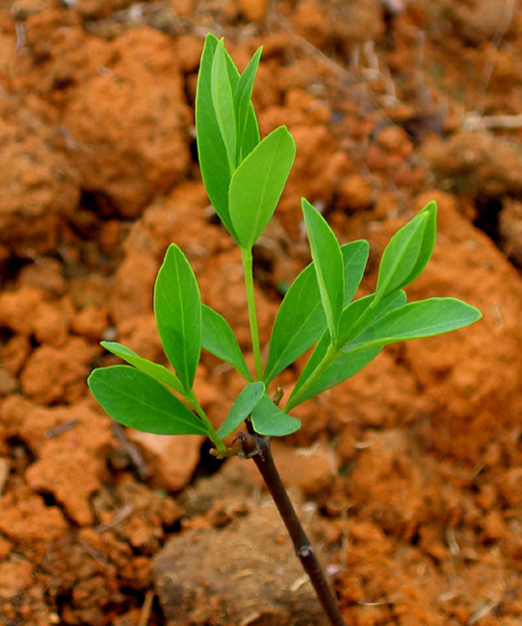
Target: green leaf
column 312, row 364
column 355, row 257
column 135, row 399
column 428, row 242
column 360, row 314
column 426, row 318
column 212, row 153
column 243, row 106
column 268, row 419
column 342, row 368
column 345, row 366
column 257, row 184
column 251, row 135
column 233, row 72
column 408, row 252
column 299, row 323
column 177, row 307
column 246, row 402
column 328, row 263
column 300, row 320
column 219, row 339
column 223, row 101
column 155, row 370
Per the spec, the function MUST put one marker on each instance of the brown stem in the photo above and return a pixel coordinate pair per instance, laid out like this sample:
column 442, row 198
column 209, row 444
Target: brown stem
column 258, row 449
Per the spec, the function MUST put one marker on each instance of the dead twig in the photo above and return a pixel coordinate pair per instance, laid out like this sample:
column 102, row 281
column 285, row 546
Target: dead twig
column 118, row 518
column 330, row 64
column 94, row 554
column 475, row 121
column 21, row 39
column 452, row 542
column 507, row 18
column 132, row 450
column 61, row 428
column 4, row 474
column 146, row 609
column 487, row 609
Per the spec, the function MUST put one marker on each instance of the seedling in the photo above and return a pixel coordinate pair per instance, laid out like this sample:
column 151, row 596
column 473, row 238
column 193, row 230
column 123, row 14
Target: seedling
column 244, row 177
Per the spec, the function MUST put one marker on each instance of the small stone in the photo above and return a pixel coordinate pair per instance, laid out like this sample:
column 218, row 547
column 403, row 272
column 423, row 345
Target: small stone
column 355, row 193
column 8, row 382
column 253, row 10
column 510, row 229
column 27, row 520
column 91, row 322
column 45, row 274
column 395, row 139
column 172, row 460
column 15, row 577
column 5, row 548
column 57, row 374
column 246, row 567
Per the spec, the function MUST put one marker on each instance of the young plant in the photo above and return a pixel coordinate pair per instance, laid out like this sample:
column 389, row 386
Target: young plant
column 244, row 176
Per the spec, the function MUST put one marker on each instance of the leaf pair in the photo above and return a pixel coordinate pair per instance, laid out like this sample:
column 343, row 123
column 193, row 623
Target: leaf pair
column 328, row 366
column 358, row 331
column 328, row 263
column 394, row 322
column 415, row 320
column 184, row 326
column 137, row 396
column 217, row 80
column 408, row 252
column 403, row 260
column 388, row 319
column 135, row 399
column 266, row 417
column 244, row 177
column 301, row 320
column 231, row 95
